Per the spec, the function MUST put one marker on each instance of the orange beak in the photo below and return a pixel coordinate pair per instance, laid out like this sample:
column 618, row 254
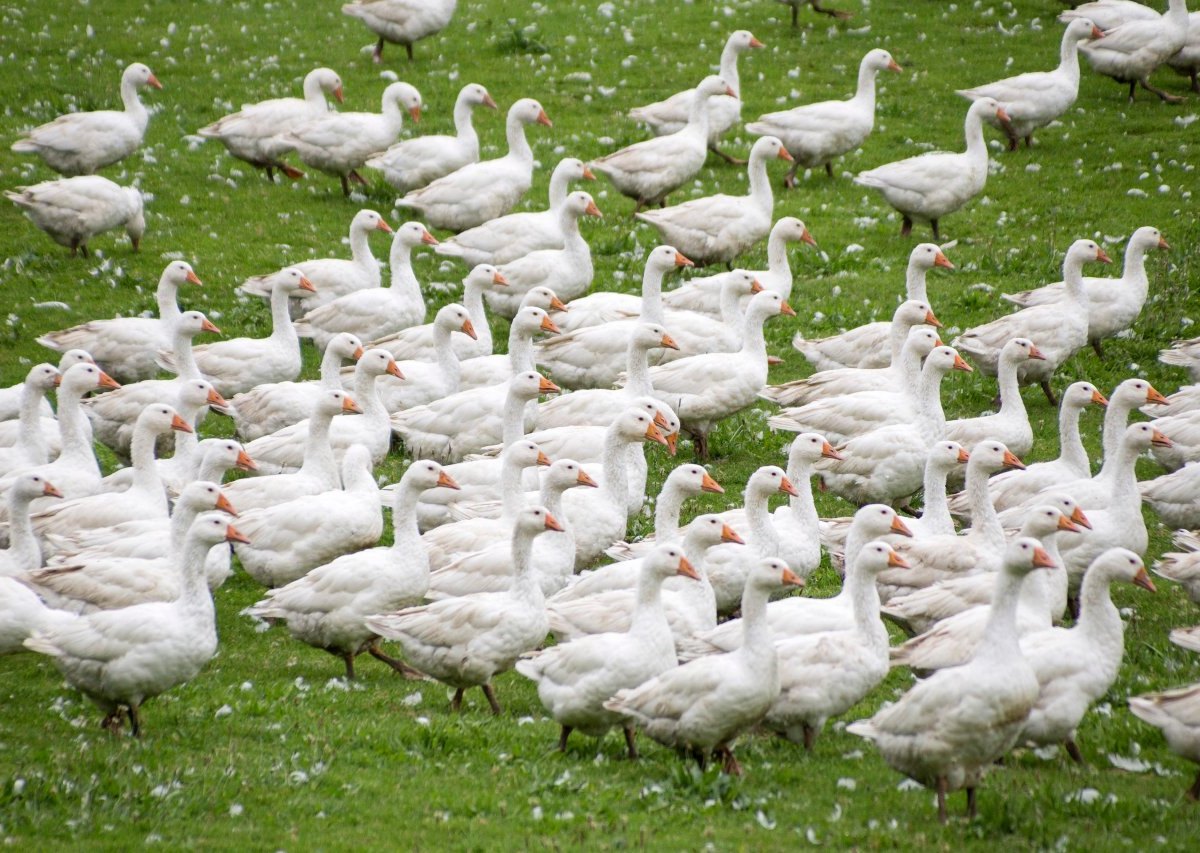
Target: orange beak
column 1160, row 440
column 959, row 364
column 790, row 578
column 305, row 284
column 393, row 369
column 828, row 451
column 755, row 42
column 729, row 91
column 192, row 278
column 682, row 260
column 1042, row 560
column 787, row 310
column 1011, row 461
column 592, row 210
column 659, row 420
column 488, row 102
column 1079, row 518
column 349, row 406
column 895, row 561
column 357, row 354
column 686, row 569
column 215, row 399
column 415, row 112
column 428, row 239
column 808, row 238
column 207, row 326
column 1002, row 115
column 942, row 261
column 1066, row 524
column 963, row 456
column 244, row 461
column 548, row 325
column 1099, row 399
column 728, row 534
column 232, row 534
column 588, row 174
column 341, row 97
column 931, row 320
column 708, row 484
column 557, row 304
column 1143, row 580
column 653, row 434
column 1036, row 353
column 755, row 286
column 153, row 81
column 900, row 527
column 668, row 342
column 180, row 425
column 543, row 459
column 468, row 329
column 445, row 481
column 552, row 523
column 672, row 443
column 585, row 480
column 383, row 226
column 57, row 380
column 894, row 66
column 784, row 155
column 938, row 342
column 499, row 280
column 224, row 505
column 544, row 119
column 1152, row 396
column 1102, row 257
column 107, row 381
column 1163, row 244
column 785, row 486
column 545, row 386
column 49, row 490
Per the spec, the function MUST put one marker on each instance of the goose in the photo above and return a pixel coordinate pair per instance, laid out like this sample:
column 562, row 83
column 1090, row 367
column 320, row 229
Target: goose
column 1182, row 566
column 1174, row 496
column 816, row 7
column 1061, row 328
column 413, row 163
column 465, row 642
column 1011, row 423
column 933, row 185
column 1035, row 99
column 290, row 539
column 650, row 170
column 11, row 397
column 121, row 658
column 529, row 321
column 948, row 729
column 1177, row 714
column 83, row 143
column 490, row 569
column 671, row 115
column 515, row 235
column 32, row 443
column 718, row 228
column 22, row 613
column 285, row 450
column 318, row 471
column 450, row 428
column 417, row 342
column 251, row 134
column 479, row 192
column 1113, row 305
column 889, row 463
column 1184, row 401
column 1186, row 60
column 236, row 365
column 703, row 705
column 568, row 270
column 340, row 143
column 24, row 552
column 1131, row 52
column 707, row 388
column 1077, row 666
column 1109, row 14
column 267, row 408
column 403, row 22
column 799, row 615
column 126, row 346
column 1184, row 432
column 74, row 210
column 826, row 674
column 816, row 134
column 334, row 277
column 138, row 570
column 703, row 294
column 683, row 482
column 1185, row 354
column 424, row 382
column 867, row 346
column 327, row 608
column 374, row 312
column 574, row 680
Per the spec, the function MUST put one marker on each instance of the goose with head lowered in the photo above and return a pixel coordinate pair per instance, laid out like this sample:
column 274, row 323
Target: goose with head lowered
column 403, row 22
column 74, row 210
column 718, row 228
column 1131, row 52
column 251, row 134
column 479, row 192
column 466, row 642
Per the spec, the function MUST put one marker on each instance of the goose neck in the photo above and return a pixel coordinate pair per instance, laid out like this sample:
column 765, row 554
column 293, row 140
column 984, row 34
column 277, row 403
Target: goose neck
column 897, row 337
column 525, row 586
column 518, row 145
column 1117, row 474
column 400, row 261
column 616, row 477
column 464, row 127
column 168, row 307
column 802, row 506
column 449, row 368
column 1068, row 57
column 778, row 262
column 314, row 95
column 930, row 411
column 637, row 364
column 1073, row 280
column 648, row 610
column 984, row 520
column 331, row 370
column 759, row 524
column 697, row 122
column 318, row 461
column 1000, row 639
column 729, row 66
column 936, row 510
column 74, row 429
column 187, row 443
column 473, row 302
column 1099, row 618
column 1116, row 418
column 282, row 330
column 184, row 358
column 753, row 342
column 367, row 396
column 141, row 454
column 973, row 130
column 181, row 521
column 1134, row 272
column 520, row 350
column 666, row 513
column 1070, row 444
column 652, row 280
column 914, row 283
column 731, row 309
column 1012, row 405
column 760, row 184
column 29, row 425
column 513, row 496
column 864, row 602
column 24, row 549
column 134, row 108
column 560, row 182
column 865, row 93
column 512, row 423
column 360, row 248
column 756, row 629
column 195, row 597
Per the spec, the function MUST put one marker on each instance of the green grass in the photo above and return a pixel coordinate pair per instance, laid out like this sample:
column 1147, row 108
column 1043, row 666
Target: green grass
column 300, row 761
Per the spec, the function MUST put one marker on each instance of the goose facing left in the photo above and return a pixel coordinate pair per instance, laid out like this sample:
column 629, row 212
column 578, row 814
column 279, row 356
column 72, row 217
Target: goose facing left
column 74, row 210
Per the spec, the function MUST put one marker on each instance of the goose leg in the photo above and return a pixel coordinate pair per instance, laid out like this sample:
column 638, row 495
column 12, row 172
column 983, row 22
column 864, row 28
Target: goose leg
column 398, row 665
column 135, row 723
column 631, row 743
column 348, row 659
column 1193, row 793
column 1132, row 89
column 701, row 759
column 638, row 208
column 810, row 737
column 290, row 171
column 1049, row 392
column 937, row 237
column 795, row 13
column 270, row 173
column 972, row 808
column 729, row 763
column 345, row 186
column 562, row 738
column 700, row 445
column 83, row 250
column 941, row 800
column 408, row 47
column 490, row 693
column 1166, row 96
column 377, row 54
column 1195, row 75
column 1012, row 142
column 1073, row 750
column 112, row 721
column 836, row 13
column 829, row 169
column 1029, row 141
column 906, row 227
column 728, row 158
column 1098, row 349
column 456, row 702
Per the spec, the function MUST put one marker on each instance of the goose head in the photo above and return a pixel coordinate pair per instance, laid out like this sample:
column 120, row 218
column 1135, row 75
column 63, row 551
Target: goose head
column 709, row 530
column 1081, row 28
column 767, row 481
column 880, row 60
column 693, row 480
column 1081, row 394
column 875, row 520
column 1069, row 508
column 808, row 447
column 989, row 456
column 525, row 454
column 291, row 281
column 405, row 96
column 482, row 277
column 1142, row 436
column 366, row 221
column 377, row 362
column 159, row 419
column 1085, row 252
column 331, row 403
column 1018, row 350
column 140, row 75
column 72, row 357
column 1135, row 392
column 743, row 40
column 941, row 360
column 1123, row 565
column 579, row 204
column 529, row 111
column 533, row 521
column 987, row 107
column 202, row 496
column 327, row 81
column 648, row 336
column 876, row 557
column 767, row 148
column 1024, row 554
column 425, row 474
column 477, row 96
column 914, row 312
column 531, row 320
column 197, row 393
column 345, row 346
column 179, row 272
column 770, row 574
column 566, row 474
column 454, row 318
column 82, row 378
column 793, row 230
column 740, row 283
column 28, row 487
column 43, row 377
column 544, row 298
column 573, row 169
column 212, row 527
column 636, row 425
column 921, row 340
column 413, row 234
column 1046, row 520
column 926, row 256
column 947, row 455
column 665, row 561
column 226, row 454
column 713, row 86
column 662, row 259
column 192, row 323
column 1148, row 237
column 529, row 384
column 768, row 303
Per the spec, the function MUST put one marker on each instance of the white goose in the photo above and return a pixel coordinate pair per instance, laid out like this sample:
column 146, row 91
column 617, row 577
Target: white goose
column 1186, row 60
column 83, row 143
column 328, row 607
column 650, row 170
column 936, row 184
column 126, row 346
column 403, row 22
column 671, row 115
column 482, row 191
column 375, row 312
column 465, row 642
column 74, row 210
column 867, row 346
column 121, row 658
column 414, row 163
column 1174, row 496
column 22, row 613
column 24, row 552
column 683, row 482
column 816, row 134
column 290, row 539
column 1113, row 305
column 950, row 728
column 10, row 397
column 423, row 381
column 718, row 228
column 575, row 679
column 1131, row 52
column 31, row 443
column 340, row 143
column 1035, row 99
column 1184, row 432
column 1177, row 714
column 515, row 235
column 334, row 277
column 1011, row 423
column 531, row 320
column 702, row 706
column 1110, row 14
column 1183, row 566
column 1185, row 354
column 1061, row 328
column 251, row 134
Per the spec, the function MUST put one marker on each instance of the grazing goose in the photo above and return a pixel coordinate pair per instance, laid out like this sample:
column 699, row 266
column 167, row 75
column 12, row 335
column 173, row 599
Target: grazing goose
column 403, row 22
column 465, row 642
column 950, row 728
column 126, row 347
column 74, row 210
column 1176, row 713
column 933, row 185
column 340, row 143
column 816, row 134
column 413, row 163
column 718, row 228
column 24, row 552
column 479, row 192
column 121, row 658
column 252, row 133
column 83, row 143
column 1035, row 99
column 671, row 115
column 1131, row 52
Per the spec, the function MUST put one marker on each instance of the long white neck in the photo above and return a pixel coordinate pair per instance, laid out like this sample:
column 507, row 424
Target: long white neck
column 756, row 630
column 314, row 95
column 616, row 477
column 1037, row 593
column 23, row 547
column 283, row 333
column 168, row 307
column 473, row 302
column 1117, row 474
column 1000, row 640
column 666, row 512
column 181, row 353
column 447, row 360
column 1011, row 403
column 464, row 128
column 518, row 145
column 914, row 282
column 864, row 95
column 935, row 514
column 30, row 439
column 187, row 443
column 393, row 117
column 145, row 473
column 1177, row 12
column 210, row 467
column 697, row 122
column 855, row 540
column 556, row 547
column 1134, row 274
column 513, row 496
column 75, row 431
column 367, row 397
column 195, row 600
column 573, row 242
column 909, row 363
column 406, row 536
column 973, row 130
column 763, row 537
column 637, row 365
column 1068, row 58
column 652, row 279
column 984, row 520
column 897, row 336
column 358, row 478
column 1070, row 445
column 318, row 453
column 760, row 185
column 753, row 342
column 331, row 370
column 525, row 586
column 512, row 423
column 802, row 507
column 864, row 602
column 731, row 309
column 729, row 66
column 1099, row 619
column 1073, row 279
column 778, row 263
column 360, row 250
column 930, row 412
column 648, row 614
column 520, row 349
column 181, row 522
column 134, row 108
column 560, row 182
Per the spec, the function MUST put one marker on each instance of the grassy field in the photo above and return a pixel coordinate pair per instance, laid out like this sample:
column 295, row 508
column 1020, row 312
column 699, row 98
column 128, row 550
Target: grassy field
column 268, row 748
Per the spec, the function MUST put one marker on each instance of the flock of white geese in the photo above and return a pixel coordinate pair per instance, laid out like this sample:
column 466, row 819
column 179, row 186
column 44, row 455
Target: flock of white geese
column 501, row 521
